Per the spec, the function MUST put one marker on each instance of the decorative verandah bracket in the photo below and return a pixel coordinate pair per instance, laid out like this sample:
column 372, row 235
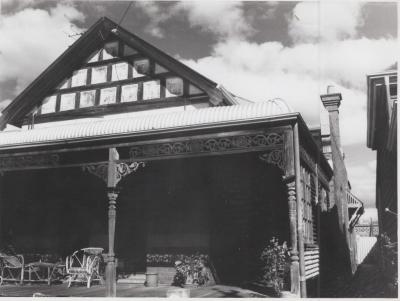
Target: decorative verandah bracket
column 100, row 170
column 275, row 157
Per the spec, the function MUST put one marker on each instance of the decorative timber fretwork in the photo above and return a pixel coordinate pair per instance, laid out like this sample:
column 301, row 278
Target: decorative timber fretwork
column 28, row 161
column 208, row 145
column 274, row 157
column 122, row 169
column 308, row 160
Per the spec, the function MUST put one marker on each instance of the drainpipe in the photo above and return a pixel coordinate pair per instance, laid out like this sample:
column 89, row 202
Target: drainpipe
column 300, row 235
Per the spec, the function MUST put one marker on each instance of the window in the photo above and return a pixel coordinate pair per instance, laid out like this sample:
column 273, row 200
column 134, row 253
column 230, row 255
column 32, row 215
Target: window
column 67, row 102
column 110, row 50
column 108, row 96
column 79, row 78
column 174, row 87
column 159, row 69
column 119, row 71
column 129, row 93
column 87, row 99
column 94, row 57
column 49, row 105
column 64, row 84
column 151, row 89
column 141, row 67
column 309, row 226
column 129, row 51
column 99, row 74
column 193, row 90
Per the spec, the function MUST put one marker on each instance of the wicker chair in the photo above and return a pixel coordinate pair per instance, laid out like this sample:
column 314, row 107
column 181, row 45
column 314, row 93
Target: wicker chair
column 11, row 268
column 83, row 266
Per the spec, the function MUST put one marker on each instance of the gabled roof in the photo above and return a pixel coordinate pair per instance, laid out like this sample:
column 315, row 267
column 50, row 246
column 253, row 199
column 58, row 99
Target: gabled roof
column 76, row 54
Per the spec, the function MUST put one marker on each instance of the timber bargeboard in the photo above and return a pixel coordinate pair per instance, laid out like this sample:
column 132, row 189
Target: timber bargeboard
column 79, row 52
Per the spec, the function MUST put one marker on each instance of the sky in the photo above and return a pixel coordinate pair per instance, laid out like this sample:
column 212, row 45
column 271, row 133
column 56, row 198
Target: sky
column 257, row 50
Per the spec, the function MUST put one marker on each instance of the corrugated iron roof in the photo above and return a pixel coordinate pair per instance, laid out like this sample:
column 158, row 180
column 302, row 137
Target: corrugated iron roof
column 117, row 126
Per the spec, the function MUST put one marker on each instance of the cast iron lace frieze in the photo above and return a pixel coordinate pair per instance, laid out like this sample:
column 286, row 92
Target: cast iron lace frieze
column 15, row 162
column 209, row 145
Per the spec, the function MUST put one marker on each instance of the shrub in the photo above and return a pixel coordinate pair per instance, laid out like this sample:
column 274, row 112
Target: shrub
column 274, row 258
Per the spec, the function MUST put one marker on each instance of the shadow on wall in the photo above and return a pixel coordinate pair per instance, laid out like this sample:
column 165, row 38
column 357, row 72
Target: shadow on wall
column 335, row 253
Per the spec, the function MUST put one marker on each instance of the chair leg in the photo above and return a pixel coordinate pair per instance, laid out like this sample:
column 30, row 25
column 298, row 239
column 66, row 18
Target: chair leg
column 70, row 281
column 22, row 276
column 89, row 279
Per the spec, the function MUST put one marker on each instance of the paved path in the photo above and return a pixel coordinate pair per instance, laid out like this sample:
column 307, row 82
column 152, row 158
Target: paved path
column 123, row 290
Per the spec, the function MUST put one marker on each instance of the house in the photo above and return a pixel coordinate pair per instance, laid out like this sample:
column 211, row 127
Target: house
column 382, row 137
column 118, row 145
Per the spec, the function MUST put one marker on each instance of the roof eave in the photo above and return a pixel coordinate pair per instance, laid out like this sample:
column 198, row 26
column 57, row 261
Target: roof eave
column 285, row 119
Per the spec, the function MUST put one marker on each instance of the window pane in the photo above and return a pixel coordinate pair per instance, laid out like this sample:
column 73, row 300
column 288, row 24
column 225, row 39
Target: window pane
column 108, row 96
column 159, row 69
column 129, row 51
column 67, row 102
column 99, row 74
column 94, row 57
column 110, row 50
column 129, row 93
column 151, row 89
column 141, row 67
column 174, row 87
column 49, row 105
column 119, row 71
column 194, row 90
column 79, row 78
column 87, row 99
column 64, row 84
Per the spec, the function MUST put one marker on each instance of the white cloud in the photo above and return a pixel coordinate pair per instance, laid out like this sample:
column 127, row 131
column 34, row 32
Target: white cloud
column 325, row 20
column 225, row 19
column 32, row 38
column 156, row 16
column 299, row 74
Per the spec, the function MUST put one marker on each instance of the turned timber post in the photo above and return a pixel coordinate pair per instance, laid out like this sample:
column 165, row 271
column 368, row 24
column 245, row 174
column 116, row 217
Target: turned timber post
column 284, row 158
column 112, row 194
column 111, row 173
column 289, row 180
column 299, row 192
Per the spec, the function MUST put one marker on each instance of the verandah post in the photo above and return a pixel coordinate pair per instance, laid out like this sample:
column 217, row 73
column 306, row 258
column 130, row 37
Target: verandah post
column 289, row 180
column 299, row 193
column 112, row 194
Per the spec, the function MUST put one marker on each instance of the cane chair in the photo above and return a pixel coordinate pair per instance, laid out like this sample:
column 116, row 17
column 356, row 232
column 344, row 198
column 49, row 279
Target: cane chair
column 83, row 266
column 11, row 268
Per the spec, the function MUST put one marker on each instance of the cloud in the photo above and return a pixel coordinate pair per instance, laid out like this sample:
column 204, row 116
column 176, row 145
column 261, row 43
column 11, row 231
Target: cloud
column 157, row 15
column 300, row 73
column 224, row 19
column 325, row 20
column 32, row 38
